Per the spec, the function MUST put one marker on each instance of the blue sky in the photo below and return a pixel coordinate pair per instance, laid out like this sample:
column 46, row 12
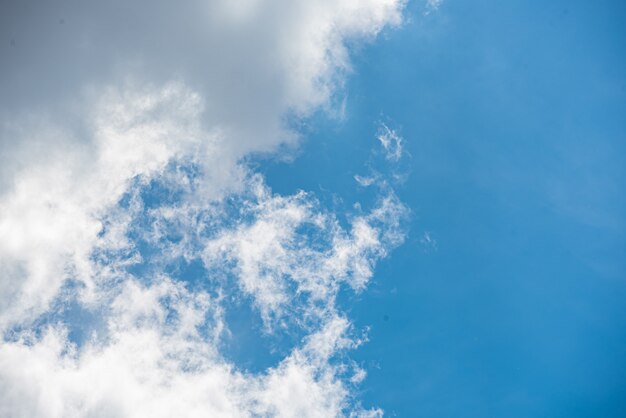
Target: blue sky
column 198, row 215
column 513, row 119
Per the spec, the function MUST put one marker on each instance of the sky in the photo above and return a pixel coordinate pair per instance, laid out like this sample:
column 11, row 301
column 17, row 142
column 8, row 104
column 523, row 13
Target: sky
column 312, row 208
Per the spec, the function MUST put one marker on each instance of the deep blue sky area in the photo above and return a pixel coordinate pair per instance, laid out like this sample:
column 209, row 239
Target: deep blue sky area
column 513, row 116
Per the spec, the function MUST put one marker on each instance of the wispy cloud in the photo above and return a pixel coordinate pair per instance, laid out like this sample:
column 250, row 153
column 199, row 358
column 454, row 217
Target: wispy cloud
column 428, row 242
column 392, row 142
column 432, row 6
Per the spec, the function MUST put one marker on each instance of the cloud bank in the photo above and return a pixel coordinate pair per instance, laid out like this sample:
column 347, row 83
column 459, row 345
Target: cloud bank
column 120, row 169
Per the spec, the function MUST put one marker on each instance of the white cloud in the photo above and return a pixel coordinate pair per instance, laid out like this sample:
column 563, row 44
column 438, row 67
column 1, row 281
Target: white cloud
column 158, row 353
column 51, row 218
column 391, row 142
column 290, row 248
column 365, row 181
column 154, row 360
column 74, row 219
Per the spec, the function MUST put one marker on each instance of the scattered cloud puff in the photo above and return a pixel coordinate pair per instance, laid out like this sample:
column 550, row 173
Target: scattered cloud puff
column 395, row 169
column 103, row 197
column 288, row 238
column 391, row 142
column 432, row 6
column 365, row 181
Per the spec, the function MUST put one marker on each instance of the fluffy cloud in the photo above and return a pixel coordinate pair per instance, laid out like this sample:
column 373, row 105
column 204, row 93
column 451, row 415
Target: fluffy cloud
column 112, row 176
column 255, row 63
column 50, row 220
column 142, row 372
column 288, row 239
column 158, row 351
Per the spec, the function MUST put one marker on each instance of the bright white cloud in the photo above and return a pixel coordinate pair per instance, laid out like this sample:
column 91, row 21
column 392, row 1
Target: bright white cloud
column 51, row 218
column 158, row 353
column 144, row 372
